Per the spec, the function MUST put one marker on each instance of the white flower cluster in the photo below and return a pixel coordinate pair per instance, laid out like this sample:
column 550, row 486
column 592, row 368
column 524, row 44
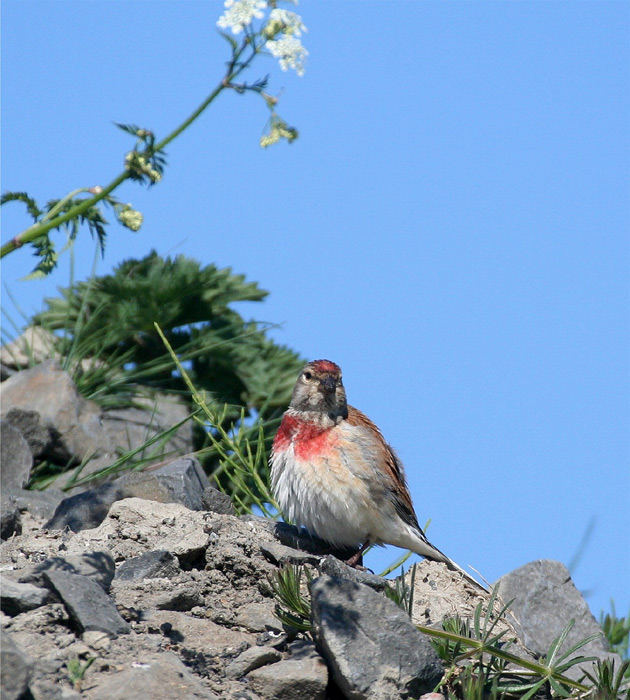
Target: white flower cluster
column 290, row 52
column 239, row 13
column 282, row 30
column 284, row 21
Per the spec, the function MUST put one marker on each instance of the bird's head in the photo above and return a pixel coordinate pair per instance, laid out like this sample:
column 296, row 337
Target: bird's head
column 319, row 388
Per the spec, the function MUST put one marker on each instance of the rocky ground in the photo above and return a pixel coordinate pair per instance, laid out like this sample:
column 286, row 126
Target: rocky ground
column 151, row 586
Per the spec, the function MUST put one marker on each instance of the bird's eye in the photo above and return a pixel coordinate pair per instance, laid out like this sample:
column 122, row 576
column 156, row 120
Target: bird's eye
column 308, row 375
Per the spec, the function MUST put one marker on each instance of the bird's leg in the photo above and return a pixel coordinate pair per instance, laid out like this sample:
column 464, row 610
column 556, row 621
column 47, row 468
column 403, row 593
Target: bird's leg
column 354, row 559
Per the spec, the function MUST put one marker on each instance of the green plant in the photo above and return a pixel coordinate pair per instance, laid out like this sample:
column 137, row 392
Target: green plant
column 616, row 630
column 77, row 670
column 293, row 608
column 243, row 469
column 609, row 683
column 276, row 34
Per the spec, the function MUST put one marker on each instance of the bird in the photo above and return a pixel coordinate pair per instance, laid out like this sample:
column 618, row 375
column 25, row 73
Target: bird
column 333, row 473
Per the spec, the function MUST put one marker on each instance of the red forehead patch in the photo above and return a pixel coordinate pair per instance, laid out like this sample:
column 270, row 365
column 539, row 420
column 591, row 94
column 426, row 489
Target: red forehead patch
column 325, row 366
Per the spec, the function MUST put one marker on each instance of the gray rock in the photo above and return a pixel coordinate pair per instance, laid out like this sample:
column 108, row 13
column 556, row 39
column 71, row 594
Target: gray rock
column 84, row 511
column 98, row 566
column 40, row 504
column 37, row 435
column 545, row 601
column 252, row 658
column 217, row 502
column 81, row 430
column 10, row 521
column 182, row 598
column 180, row 481
column 128, row 428
column 16, row 597
column 87, row 604
column 280, row 554
column 349, row 619
column 331, row 566
column 156, row 564
column 15, row 669
column 50, row 391
column 160, row 678
column 303, row 676
column 16, row 459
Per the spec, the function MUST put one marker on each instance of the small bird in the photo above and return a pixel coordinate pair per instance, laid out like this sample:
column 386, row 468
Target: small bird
column 333, row 473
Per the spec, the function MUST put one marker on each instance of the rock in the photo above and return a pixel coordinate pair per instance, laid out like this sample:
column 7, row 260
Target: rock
column 180, row 481
column 10, row 521
column 97, row 566
column 156, row 564
column 217, row 502
column 35, row 345
column 252, row 658
column 163, row 677
column 40, row 504
column 80, row 429
column 200, row 639
column 50, row 391
column 350, row 618
column 331, row 566
column 545, row 600
column 281, row 555
column 128, row 428
column 84, row 511
column 88, row 605
column 16, row 597
column 15, row 669
column 37, row 435
column 16, row 458
column 303, row 676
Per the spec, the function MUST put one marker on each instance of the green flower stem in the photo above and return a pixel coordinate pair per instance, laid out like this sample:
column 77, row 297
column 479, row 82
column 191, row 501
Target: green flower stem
column 61, row 202
column 42, row 227
column 479, row 647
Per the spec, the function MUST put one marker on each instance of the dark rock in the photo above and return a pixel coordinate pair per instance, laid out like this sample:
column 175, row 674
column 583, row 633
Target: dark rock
column 280, row 554
column 298, row 538
column 162, row 678
column 331, row 566
column 349, row 619
column 156, row 564
column 40, row 504
column 217, row 502
column 303, row 676
column 87, row 604
column 16, row 597
column 97, row 566
column 16, row 459
column 252, row 658
column 182, row 481
column 15, row 669
column 545, row 601
column 37, row 435
column 10, row 521
column 86, row 510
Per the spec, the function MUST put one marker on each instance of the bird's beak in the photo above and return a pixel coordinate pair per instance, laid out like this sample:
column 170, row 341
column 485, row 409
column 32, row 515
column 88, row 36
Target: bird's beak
column 329, row 384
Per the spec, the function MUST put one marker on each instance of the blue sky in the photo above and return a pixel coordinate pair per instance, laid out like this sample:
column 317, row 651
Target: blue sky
column 451, row 227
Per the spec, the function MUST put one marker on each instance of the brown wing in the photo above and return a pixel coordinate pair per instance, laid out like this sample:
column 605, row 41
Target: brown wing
column 393, row 467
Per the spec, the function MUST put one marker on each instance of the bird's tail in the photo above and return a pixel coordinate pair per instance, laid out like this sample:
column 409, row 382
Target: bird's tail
column 425, row 549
